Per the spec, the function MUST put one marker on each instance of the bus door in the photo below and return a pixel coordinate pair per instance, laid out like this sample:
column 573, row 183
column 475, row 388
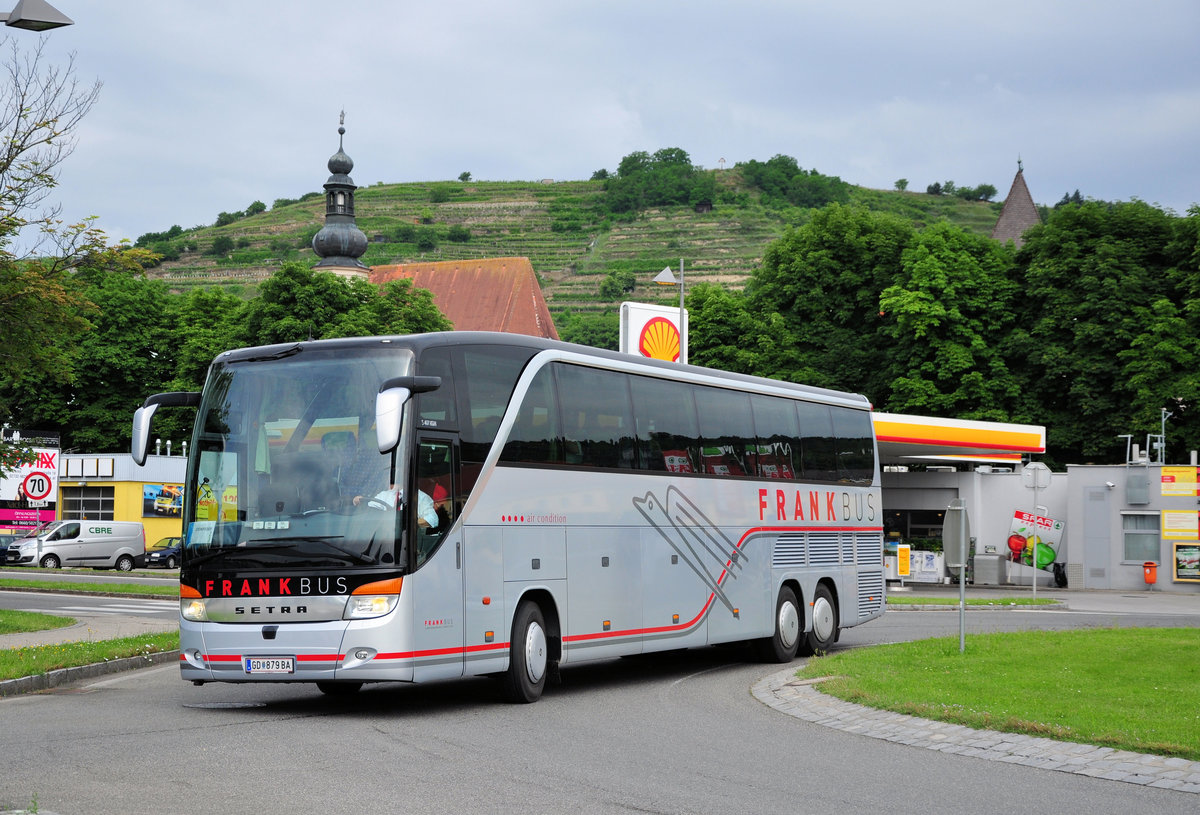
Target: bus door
column 437, row 580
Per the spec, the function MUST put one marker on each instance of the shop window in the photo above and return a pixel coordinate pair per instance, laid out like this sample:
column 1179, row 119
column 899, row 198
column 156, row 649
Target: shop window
column 1140, row 533
column 88, row 503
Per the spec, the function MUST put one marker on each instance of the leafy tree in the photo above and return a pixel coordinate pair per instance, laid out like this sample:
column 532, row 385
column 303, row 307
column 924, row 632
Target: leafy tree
column 221, row 245
column 42, row 306
column 1093, row 277
column 934, row 189
column 128, row 346
column 297, row 303
column 823, row 279
column 464, row 177
column 643, row 180
column 616, row 283
column 952, row 299
column 426, row 240
column 256, row 207
column 901, row 184
column 781, row 180
column 600, row 175
column 458, row 234
column 597, row 330
column 226, row 218
column 722, row 331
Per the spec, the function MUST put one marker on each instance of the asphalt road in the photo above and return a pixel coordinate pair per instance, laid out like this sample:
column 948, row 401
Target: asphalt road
column 676, row 733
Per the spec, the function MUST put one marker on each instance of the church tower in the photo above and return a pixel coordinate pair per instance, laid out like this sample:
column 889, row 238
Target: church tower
column 1018, row 214
column 340, row 243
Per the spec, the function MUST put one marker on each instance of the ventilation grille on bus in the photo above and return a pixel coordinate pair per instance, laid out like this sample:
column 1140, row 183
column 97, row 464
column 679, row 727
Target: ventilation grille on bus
column 789, row 551
column 870, row 592
column 823, row 548
column 870, row 548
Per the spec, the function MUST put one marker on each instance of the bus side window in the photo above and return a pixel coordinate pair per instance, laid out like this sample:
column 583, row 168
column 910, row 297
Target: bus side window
column 667, row 436
column 727, row 430
column 598, row 416
column 435, row 507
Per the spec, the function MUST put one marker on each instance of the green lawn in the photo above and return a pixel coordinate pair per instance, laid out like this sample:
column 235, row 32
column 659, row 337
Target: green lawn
column 1026, row 600
column 18, row 662
column 17, row 622
column 168, row 590
column 1132, row 689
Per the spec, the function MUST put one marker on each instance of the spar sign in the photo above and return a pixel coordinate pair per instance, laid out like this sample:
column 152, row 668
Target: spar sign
column 32, row 484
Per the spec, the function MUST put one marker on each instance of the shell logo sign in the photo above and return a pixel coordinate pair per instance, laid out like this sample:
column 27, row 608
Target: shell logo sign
column 652, row 331
column 659, row 340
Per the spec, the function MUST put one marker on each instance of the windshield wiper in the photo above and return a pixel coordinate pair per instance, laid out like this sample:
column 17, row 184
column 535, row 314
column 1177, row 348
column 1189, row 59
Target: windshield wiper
column 254, row 546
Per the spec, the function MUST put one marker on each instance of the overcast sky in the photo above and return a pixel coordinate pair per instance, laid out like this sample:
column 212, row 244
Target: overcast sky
column 210, row 105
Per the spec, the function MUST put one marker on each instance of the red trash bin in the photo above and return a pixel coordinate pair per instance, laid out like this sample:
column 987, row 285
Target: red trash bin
column 1150, row 572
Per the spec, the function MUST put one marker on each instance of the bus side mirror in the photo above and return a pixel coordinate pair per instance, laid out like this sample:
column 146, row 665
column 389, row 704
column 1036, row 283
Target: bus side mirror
column 389, row 405
column 140, row 445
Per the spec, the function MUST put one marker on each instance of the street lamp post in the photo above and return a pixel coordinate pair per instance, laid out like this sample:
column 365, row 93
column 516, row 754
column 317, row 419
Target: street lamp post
column 665, row 278
column 35, row 15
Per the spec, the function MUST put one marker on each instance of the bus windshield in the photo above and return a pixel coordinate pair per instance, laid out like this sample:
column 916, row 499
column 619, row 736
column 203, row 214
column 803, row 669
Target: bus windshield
column 287, row 471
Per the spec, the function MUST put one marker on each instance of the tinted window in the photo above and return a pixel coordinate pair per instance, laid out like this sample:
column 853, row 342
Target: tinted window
column 818, row 458
column 856, row 448
column 535, row 437
column 777, row 432
column 436, row 408
column 668, row 438
column 490, row 376
column 597, row 421
column 726, row 431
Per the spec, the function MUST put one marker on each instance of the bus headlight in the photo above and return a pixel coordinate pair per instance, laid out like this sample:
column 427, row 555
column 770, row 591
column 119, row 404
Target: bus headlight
column 373, row 599
column 193, row 609
column 191, row 605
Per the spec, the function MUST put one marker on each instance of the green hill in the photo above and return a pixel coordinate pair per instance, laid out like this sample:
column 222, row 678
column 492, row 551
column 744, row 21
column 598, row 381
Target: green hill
column 563, row 227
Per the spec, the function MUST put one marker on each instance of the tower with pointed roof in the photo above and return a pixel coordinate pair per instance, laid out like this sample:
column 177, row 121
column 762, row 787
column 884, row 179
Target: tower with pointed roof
column 340, row 243
column 1019, row 212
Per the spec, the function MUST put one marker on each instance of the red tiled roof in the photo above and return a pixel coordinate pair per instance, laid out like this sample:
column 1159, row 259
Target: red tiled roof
column 492, row 294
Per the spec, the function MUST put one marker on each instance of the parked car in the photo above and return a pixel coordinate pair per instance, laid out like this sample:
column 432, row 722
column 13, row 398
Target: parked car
column 163, row 554
column 98, row 544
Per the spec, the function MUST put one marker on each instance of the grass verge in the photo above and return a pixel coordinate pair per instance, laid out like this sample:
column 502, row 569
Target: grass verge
column 906, row 600
column 170, row 590
column 1131, row 689
column 18, row 622
column 39, row 659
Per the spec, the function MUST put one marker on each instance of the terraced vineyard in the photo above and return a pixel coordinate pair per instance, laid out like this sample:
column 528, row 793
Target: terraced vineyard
column 561, row 226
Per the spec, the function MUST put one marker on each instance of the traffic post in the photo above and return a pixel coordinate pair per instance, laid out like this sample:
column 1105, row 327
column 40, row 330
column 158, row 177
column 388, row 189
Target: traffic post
column 956, row 540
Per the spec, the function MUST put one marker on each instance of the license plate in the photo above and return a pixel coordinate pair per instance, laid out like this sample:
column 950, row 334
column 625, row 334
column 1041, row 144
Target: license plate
column 269, row 665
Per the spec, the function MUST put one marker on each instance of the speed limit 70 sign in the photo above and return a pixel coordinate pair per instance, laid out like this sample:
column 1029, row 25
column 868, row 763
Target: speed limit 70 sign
column 37, row 486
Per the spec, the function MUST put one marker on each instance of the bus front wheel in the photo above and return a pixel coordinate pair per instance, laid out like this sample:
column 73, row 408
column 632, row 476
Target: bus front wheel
column 528, row 656
column 782, row 645
column 825, row 624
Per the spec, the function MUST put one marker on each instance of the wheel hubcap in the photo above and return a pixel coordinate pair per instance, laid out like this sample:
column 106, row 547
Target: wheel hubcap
column 789, row 624
column 535, row 653
column 823, row 619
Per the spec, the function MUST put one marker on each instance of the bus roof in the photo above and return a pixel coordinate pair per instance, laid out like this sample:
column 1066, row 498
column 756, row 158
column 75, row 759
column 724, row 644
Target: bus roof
column 420, row 342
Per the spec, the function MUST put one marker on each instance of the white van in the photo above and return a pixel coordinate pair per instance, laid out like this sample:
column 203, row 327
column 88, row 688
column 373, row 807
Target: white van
column 98, row 544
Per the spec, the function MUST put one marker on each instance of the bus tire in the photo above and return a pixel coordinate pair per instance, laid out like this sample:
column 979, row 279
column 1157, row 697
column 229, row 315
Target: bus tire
column 50, row 562
column 782, row 645
column 528, row 656
column 825, row 624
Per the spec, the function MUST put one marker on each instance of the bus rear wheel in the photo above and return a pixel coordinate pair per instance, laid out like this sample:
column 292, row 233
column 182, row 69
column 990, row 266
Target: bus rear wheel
column 783, row 644
column 825, row 624
column 528, row 656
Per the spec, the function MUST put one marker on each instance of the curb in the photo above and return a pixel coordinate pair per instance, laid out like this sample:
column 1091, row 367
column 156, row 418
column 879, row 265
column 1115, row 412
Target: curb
column 65, row 676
